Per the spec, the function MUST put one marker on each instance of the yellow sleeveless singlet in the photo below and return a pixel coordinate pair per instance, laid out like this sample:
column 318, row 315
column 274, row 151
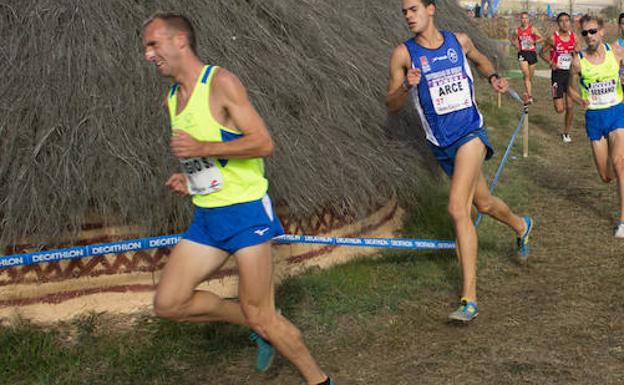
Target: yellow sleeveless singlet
column 214, row 182
column 600, row 84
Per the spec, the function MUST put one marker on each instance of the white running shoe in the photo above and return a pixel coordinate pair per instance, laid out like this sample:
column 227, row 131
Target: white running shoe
column 566, row 138
column 619, row 230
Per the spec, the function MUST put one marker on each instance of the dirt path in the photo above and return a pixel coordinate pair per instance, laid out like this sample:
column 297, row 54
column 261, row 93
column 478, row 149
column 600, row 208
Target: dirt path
column 559, row 320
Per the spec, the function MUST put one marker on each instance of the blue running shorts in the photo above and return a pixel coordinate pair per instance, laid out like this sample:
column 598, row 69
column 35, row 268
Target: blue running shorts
column 446, row 155
column 235, row 227
column 599, row 123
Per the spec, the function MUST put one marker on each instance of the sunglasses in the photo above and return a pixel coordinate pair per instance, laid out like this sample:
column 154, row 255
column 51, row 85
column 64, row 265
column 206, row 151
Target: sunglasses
column 591, row 31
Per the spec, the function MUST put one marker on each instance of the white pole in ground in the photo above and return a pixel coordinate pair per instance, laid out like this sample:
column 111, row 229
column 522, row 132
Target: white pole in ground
column 525, row 140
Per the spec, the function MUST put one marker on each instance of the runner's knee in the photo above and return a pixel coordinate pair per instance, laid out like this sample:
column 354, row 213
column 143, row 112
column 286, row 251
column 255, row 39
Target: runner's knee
column 168, row 307
column 485, row 205
column 258, row 318
column 558, row 109
column 618, row 166
column 458, row 211
column 176, row 308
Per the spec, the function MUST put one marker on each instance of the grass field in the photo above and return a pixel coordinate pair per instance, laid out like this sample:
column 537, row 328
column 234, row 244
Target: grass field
column 557, row 320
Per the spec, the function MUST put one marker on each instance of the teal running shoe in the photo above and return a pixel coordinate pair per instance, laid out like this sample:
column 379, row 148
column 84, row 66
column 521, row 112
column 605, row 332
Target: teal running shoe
column 466, row 312
column 522, row 243
column 265, row 352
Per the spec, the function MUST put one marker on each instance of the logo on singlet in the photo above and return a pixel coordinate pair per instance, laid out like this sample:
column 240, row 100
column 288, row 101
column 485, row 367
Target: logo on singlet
column 452, row 55
column 425, row 64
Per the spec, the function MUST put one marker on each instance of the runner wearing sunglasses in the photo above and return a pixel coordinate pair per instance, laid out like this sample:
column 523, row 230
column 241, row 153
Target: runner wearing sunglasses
column 596, row 70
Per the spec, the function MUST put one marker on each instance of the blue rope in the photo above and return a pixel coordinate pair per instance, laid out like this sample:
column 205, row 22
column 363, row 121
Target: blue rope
column 133, row 245
column 525, row 110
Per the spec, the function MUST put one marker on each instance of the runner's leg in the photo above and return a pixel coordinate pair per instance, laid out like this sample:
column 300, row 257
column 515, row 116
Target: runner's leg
column 526, row 77
column 558, row 105
column 528, row 80
column 569, row 113
column 176, row 297
column 600, row 149
column 496, row 208
column 616, row 144
column 468, row 163
column 256, row 292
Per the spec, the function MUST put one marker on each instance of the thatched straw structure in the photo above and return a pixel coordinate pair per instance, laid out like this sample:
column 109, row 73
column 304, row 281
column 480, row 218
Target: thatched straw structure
column 83, row 134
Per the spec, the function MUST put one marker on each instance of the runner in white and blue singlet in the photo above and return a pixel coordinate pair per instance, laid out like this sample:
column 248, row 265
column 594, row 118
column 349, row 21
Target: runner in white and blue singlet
column 432, row 67
column 619, row 44
column 445, row 99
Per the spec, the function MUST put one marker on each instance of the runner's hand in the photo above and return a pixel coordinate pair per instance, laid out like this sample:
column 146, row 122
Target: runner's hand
column 412, row 77
column 584, row 104
column 177, row 183
column 500, row 84
column 184, row 146
column 581, row 102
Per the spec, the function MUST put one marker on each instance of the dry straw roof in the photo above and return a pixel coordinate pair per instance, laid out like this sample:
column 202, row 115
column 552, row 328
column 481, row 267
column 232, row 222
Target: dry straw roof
column 83, row 133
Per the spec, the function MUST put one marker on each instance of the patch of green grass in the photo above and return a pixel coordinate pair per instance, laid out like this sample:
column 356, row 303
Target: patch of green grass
column 365, row 286
column 96, row 350
column 512, row 74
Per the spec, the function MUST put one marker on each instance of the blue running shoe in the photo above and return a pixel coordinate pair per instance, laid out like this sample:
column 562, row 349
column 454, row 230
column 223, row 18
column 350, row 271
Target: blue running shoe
column 264, row 353
column 522, row 243
column 466, row 312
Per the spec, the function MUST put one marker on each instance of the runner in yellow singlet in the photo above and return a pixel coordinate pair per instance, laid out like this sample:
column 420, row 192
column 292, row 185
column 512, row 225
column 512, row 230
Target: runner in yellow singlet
column 220, row 140
column 596, row 71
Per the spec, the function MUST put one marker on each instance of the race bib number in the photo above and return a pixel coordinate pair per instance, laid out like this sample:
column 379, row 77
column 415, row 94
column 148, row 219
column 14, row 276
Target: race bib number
column 603, row 94
column 203, row 175
column 526, row 43
column 564, row 61
column 450, row 93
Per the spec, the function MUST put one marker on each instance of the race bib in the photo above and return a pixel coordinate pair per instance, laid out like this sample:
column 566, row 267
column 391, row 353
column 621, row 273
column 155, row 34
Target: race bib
column 526, row 43
column 564, row 61
column 603, row 94
column 203, row 175
column 450, row 93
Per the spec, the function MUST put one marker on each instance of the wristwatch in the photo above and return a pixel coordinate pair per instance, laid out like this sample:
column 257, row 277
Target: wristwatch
column 494, row 75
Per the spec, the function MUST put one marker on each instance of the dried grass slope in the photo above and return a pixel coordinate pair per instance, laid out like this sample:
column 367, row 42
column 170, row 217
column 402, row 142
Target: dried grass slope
column 83, row 133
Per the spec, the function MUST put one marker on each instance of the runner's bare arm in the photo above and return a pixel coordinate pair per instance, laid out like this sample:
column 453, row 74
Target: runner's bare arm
column 402, row 78
column 483, row 64
column 575, row 70
column 619, row 53
column 176, row 182
column 538, row 34
column 514, row 40
column 544, row 53
column 254, row 143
